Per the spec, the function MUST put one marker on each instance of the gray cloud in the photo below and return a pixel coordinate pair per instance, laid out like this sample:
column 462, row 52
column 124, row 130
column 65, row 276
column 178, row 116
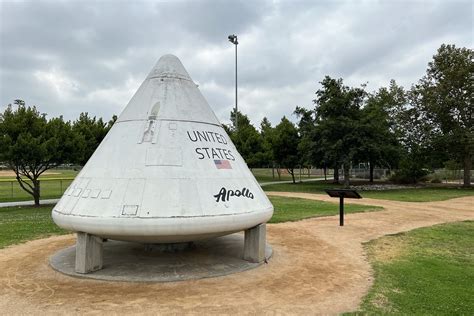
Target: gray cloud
column 73, row 56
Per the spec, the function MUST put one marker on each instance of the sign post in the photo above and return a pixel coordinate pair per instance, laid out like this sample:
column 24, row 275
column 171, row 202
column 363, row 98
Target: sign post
column 341, row 194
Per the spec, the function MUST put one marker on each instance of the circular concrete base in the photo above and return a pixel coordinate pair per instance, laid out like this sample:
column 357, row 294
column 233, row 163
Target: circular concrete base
column 125, row 261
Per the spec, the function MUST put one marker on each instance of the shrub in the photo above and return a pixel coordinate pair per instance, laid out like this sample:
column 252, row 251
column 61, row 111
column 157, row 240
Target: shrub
column 435, row 178
column 410, row 172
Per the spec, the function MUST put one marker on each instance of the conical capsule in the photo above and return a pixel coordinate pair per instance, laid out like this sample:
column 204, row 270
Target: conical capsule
column 166, row 171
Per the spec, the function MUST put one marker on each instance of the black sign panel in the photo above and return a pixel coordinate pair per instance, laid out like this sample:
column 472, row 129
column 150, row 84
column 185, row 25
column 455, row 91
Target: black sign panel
column 341, row 194
column 346, row 193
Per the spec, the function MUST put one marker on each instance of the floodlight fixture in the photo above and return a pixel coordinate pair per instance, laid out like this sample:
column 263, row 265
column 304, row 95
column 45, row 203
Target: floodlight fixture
column 233, row 39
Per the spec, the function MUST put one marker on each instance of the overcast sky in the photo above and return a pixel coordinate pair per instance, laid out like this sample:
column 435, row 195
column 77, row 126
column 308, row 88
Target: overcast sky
column 68, row 57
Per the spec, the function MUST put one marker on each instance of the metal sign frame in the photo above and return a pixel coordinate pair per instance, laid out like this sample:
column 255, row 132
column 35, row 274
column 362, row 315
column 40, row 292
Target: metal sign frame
column 341, row 194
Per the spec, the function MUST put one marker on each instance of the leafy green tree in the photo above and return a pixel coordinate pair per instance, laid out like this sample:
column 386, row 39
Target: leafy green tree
column 92, row 131
column 415, row 135
column 30, row 144
column 338, row 112
column 379, row 133
column 266, row 133
column 306, row 126
column 309, row 148
column 285, row 146
column 444, row 97
column 247, row 140
column 228, row 129
column 320, row 157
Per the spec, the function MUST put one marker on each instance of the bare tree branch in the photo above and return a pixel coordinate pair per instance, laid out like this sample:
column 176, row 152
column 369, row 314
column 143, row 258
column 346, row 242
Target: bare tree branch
column 26, row 173
column 45, row 167
column 22, row 182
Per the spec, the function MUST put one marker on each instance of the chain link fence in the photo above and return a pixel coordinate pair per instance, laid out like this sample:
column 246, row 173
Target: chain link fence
column 10, row 190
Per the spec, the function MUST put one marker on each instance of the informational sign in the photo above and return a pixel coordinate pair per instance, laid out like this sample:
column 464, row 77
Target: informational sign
column 341, row 194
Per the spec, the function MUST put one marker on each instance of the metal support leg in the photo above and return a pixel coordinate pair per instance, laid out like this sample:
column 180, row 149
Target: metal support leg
column 255, row 242
column 89, row 253
column 341, row 210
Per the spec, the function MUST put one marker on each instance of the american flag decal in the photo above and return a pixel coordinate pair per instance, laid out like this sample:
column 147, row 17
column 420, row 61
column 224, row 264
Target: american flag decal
column 222, row 164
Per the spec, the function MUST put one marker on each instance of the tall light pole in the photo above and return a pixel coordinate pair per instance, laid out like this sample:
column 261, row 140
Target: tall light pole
column 233, row 39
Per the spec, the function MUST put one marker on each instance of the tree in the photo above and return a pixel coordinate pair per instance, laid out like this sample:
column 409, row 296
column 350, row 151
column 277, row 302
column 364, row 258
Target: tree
column 266, row 133
column 338, row 123
column 247, row 140
column 92, row 131
column 380, row 144
column 306, row 126
column 285, row 146
column 30, row 144
column 309, row 148
column 444, row 96
column 415, row 135
column 320, row 157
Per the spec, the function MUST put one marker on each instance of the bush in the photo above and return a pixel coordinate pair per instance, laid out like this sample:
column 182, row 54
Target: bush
column 435, row 178
column 410, row 172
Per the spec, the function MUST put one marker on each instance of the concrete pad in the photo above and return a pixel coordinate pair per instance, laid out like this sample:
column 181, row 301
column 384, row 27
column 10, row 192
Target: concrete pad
column 125, row 261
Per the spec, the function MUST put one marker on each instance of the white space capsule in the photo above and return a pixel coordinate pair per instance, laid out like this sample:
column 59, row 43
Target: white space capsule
column 166, row 171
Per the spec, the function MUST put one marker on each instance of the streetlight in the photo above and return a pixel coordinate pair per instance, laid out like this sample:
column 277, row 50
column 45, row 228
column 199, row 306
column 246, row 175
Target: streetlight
column 233, row 39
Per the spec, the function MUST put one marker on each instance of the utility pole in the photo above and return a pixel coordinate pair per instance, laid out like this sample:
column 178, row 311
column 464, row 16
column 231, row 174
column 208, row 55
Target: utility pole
column 233, row 39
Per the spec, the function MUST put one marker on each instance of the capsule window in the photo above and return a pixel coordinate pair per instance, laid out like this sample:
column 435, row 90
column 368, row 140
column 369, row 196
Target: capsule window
column 95, row 193
column 86, row 193
column 130, row 210
column 106, row 194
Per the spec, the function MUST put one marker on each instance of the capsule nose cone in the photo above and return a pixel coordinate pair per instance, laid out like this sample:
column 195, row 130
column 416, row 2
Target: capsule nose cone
column 169, row 66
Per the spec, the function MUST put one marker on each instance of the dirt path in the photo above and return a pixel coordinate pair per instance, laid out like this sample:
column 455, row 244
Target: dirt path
column 318, row 267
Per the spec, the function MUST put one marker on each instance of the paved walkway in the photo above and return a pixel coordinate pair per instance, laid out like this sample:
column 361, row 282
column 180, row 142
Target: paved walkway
column 289, row 181
column 318, row 267
column 28, row 203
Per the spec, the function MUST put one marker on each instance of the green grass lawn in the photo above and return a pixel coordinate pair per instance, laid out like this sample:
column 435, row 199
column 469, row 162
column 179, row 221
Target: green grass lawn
column 20, row 224
column 295, row 209
column 427, row 271
column 52, row 186
column 421, row 194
